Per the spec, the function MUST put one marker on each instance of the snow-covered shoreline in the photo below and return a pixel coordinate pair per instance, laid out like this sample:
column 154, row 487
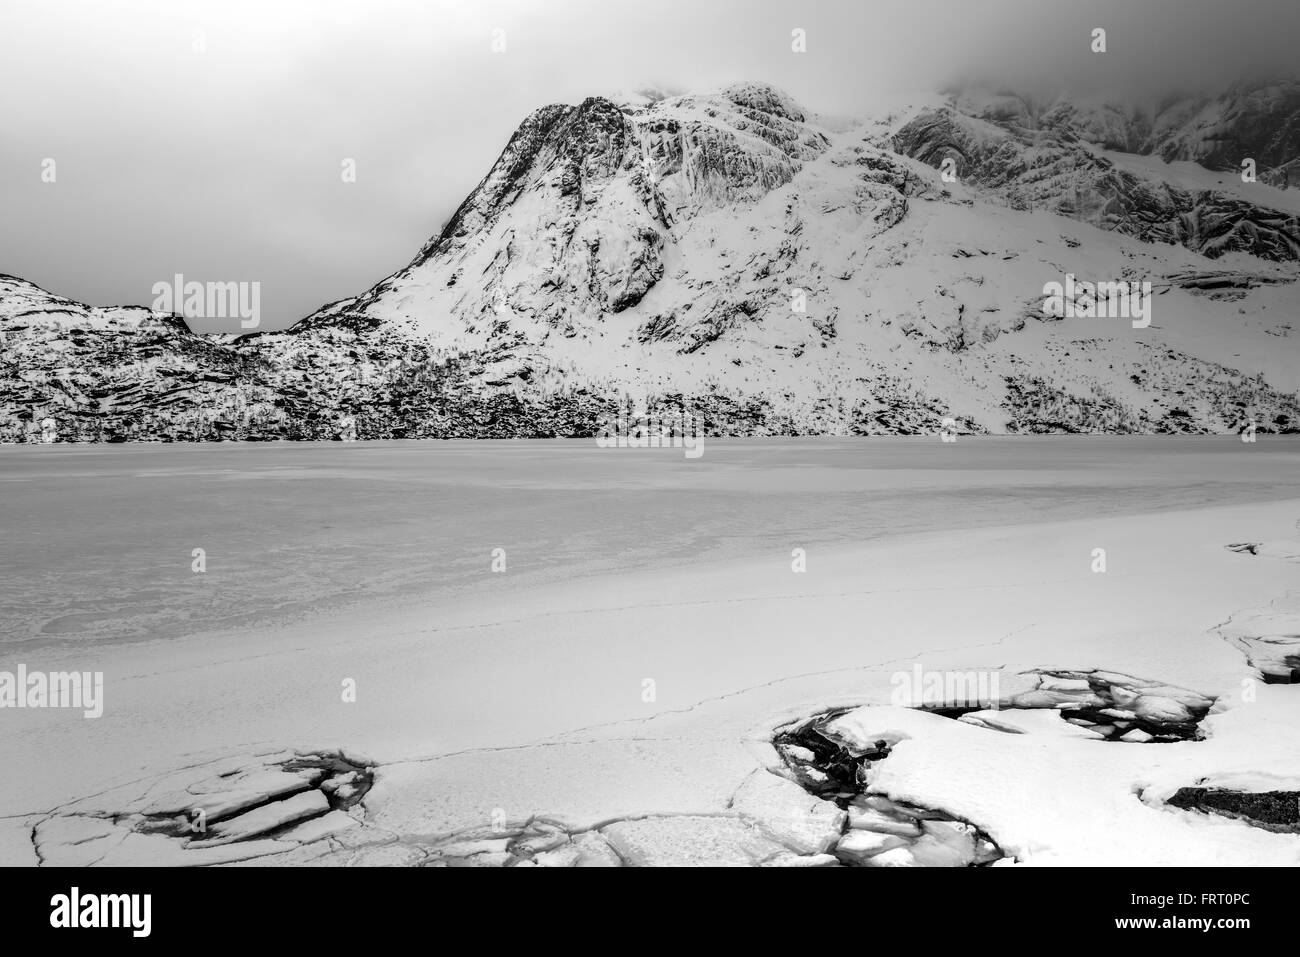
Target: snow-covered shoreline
column 479, row 723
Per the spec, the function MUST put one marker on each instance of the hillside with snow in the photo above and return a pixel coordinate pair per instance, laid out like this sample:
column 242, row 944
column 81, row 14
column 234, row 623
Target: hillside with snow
column 737, row 256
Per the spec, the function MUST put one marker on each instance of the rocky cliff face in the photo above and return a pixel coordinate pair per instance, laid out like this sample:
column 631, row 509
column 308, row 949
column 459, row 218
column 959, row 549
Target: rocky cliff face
column 580, row 216
column 1042, row 168
column 778, row 273
column 1257, row 120
column 74, row 373
column 110, row 374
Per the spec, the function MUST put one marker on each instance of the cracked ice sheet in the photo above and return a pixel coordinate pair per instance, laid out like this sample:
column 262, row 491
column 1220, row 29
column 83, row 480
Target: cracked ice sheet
column 733, row 647
column 1071, row 801
column 16, row 848
column 1152, row 615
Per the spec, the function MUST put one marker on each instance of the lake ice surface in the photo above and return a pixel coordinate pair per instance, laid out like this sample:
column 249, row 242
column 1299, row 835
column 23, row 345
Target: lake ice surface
column 370, row 564
column 97, row 540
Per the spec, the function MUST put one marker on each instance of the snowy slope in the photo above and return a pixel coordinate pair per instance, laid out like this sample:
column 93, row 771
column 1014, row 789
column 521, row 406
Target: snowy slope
column 735, row 253
column 777, row 272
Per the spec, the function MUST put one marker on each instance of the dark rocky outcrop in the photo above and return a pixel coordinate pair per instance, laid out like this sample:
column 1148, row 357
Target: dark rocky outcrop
column 1272, row 810
column 1039, row 170
column 878, row 831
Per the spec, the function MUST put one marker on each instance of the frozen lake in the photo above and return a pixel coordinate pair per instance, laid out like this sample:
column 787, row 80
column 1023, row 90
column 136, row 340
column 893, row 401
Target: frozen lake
column 646, row 641
column 98, row 540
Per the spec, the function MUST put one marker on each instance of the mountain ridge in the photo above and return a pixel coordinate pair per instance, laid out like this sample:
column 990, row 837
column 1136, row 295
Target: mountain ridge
column 735, row 255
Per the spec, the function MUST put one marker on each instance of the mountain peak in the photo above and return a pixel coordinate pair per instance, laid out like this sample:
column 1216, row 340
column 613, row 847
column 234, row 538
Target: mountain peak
column 766, row 98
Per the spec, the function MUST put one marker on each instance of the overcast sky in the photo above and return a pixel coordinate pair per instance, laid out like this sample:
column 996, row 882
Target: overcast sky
column 206, row 138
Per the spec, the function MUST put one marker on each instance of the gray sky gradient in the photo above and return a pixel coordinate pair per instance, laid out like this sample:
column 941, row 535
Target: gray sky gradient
column 224, row 163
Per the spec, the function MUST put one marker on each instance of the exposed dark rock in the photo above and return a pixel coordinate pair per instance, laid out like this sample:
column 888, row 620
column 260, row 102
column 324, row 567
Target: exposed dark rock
column 1257, row 119
column 1039, row 170
column 1271, row 810
column 1120, row 707
column 879, row 832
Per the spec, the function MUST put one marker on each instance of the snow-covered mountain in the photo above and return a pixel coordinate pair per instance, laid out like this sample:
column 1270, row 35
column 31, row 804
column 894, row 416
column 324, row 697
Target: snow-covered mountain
column 738, row 256
column 1257, row 119
column 107, row 373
